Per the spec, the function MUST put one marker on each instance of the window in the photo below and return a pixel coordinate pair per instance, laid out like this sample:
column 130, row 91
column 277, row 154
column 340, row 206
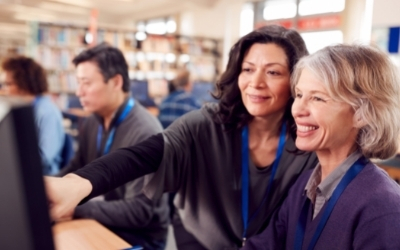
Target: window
column 312, row 7
column 318, row 40
column 279, row 9
column 246, row 19
column 158, row 26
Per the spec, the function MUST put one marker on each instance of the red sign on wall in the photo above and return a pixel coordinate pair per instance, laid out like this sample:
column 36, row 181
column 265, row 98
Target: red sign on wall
column 307, row 23
column 93, row 26
column 323, row 22
column 286, row 23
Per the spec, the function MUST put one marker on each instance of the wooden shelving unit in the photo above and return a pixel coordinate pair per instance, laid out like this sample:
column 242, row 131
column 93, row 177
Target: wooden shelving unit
column 155, row 59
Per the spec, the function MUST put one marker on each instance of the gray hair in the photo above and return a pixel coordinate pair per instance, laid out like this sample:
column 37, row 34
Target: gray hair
column 366, row 79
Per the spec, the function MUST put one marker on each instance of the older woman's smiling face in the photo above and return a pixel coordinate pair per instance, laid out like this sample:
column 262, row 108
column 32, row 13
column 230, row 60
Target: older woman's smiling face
column 323, row 124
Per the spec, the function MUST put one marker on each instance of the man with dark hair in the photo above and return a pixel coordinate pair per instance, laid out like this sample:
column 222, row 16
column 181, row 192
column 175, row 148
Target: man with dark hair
column 26, row 79
column 117, row 121
column 180, row 101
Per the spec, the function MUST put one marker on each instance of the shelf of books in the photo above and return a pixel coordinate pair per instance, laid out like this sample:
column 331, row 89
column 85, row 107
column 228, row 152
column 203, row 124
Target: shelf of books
column 9, row 47
column 154, row 59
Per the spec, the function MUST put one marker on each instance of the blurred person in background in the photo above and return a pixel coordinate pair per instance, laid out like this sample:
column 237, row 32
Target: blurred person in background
column 26, row 79
column 117, row 121
column 231, row 163
column 180, row 100
column 347, row 110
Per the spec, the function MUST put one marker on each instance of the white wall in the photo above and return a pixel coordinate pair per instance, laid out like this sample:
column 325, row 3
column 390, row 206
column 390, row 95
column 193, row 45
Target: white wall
column 357, row 19
column 386, row 13
column 222, row 21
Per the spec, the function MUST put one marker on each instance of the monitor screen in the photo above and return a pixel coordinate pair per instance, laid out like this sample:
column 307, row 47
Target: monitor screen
column 73, row 101
column 25, row 222
column 140, row 91
column 203, row 90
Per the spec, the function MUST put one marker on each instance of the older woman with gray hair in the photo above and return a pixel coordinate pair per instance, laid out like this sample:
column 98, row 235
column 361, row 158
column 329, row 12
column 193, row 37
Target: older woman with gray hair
column 347, row 110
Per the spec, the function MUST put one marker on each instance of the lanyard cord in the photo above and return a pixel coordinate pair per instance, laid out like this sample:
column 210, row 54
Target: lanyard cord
column 246, row 179
column 110, row 139
column 354, row 170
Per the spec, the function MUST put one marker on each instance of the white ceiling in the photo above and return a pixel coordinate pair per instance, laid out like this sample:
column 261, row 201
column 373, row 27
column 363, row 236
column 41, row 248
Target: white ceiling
column 14, row 14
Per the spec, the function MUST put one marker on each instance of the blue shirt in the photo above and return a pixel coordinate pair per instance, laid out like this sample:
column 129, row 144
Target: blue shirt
column 51, row 134
column 175, row 105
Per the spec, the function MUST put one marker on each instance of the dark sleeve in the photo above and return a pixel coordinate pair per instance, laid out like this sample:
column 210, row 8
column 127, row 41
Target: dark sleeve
column 133, row 213
column 178, row 164
column 123, row 165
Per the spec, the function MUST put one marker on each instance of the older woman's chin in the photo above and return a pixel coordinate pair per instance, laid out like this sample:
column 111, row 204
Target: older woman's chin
column 306, row 146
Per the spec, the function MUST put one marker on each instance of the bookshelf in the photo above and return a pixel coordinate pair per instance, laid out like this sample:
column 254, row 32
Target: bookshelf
column 155, row 59
column 9, row 47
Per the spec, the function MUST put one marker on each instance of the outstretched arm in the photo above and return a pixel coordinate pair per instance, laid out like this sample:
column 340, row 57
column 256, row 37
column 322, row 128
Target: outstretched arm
column 115, row 169
column 103, row 175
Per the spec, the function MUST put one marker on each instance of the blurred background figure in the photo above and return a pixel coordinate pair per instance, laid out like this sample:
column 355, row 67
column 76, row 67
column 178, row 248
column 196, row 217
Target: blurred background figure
column 26, row 79
column 117, row 120
column 180, row 100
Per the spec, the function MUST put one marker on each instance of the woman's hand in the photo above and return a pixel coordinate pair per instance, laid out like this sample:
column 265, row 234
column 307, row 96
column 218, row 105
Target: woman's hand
column 64, row 194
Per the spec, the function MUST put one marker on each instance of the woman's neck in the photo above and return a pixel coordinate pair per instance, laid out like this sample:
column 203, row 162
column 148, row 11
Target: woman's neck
column 264, row 139
column 265, row 128
column 330, row 160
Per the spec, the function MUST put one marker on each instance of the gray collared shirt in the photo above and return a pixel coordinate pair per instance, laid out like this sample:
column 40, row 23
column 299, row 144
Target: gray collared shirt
column 320, row 192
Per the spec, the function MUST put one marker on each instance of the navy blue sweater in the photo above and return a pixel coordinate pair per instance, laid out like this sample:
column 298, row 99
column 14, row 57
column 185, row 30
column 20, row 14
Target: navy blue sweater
column 366, row 216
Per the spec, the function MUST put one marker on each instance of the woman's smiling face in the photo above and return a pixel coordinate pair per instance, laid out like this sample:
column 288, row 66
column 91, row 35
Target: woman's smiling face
column 322, row 123
column 264, row 81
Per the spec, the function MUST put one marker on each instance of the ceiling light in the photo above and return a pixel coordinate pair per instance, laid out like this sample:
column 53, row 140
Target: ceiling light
column 184, row 58
column 170, row 58
column 140, row 36
column 171, row 26
column 88, row 38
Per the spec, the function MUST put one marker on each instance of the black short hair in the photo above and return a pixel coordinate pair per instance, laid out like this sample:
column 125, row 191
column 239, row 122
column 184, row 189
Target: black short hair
column 110, row 61
column 27, row 74
column 232, row 111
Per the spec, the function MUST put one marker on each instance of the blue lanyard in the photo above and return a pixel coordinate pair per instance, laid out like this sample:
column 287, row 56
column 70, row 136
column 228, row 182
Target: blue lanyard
column 245, row 176
column 354, row 170
column 121, row 118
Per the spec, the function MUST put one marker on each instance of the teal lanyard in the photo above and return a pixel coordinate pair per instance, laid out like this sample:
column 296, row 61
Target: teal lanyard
column 110, row 139
column 246, row 180
column 354, row 170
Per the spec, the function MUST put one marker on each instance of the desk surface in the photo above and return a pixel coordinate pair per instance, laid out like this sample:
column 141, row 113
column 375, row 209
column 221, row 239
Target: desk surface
column 85, row 235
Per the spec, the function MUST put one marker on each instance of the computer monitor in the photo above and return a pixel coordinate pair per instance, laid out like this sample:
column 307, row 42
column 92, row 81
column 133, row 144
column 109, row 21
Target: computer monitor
column 24, row 217
column 203, row 90
column 140, row 91
column 73, row 101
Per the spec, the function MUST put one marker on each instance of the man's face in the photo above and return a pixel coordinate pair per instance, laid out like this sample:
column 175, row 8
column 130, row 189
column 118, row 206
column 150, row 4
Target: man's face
column 93, row 92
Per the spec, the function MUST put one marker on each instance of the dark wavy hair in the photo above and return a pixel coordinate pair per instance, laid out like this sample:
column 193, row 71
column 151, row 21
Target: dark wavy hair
column 232, row 111
column 27, row 74
column 110, row 61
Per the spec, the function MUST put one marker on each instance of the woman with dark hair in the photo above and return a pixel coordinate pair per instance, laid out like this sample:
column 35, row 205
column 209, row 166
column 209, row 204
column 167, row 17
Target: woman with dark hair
column 231, row 164
column 26, row 79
